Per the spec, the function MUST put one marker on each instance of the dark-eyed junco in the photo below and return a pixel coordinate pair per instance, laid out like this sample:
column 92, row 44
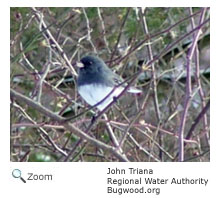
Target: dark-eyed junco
column 96, row 82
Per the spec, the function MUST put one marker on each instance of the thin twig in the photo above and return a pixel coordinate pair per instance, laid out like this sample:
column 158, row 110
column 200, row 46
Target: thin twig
column 103, row 30
column 153, row 76
column 198, row 79
column 188, row 96
column 119, row 36
column 89, row 31
column 112, row 135
column 196, row 121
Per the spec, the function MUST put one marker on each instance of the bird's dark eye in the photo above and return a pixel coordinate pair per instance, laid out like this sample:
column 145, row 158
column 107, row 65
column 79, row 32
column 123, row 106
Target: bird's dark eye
column 88, row 63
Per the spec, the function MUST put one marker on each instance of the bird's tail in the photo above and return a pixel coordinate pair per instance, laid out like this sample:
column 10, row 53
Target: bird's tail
column 134, row 90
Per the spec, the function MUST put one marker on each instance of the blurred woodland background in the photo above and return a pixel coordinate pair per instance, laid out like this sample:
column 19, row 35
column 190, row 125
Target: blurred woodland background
column 166, row 51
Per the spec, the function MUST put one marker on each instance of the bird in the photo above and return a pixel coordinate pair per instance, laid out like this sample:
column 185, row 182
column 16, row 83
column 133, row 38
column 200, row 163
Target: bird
column 97, row 83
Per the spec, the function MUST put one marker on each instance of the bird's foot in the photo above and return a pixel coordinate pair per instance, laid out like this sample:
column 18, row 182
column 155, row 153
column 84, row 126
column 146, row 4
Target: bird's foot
column 93, row 119
column 115, row 99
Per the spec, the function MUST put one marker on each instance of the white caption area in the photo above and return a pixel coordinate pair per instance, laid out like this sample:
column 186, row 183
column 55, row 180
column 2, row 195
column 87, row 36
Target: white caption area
column 112, row 179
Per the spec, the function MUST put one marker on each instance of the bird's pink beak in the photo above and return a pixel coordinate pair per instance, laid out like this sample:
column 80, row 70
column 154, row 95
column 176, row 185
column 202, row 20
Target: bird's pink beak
column 79, row 64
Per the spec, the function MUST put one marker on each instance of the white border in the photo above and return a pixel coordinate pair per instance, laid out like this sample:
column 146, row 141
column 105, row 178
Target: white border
column 88, row 179
column 110, row 3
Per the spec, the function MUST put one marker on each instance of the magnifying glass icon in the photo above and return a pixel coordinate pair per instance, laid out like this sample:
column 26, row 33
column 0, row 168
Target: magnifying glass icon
column 16, row 173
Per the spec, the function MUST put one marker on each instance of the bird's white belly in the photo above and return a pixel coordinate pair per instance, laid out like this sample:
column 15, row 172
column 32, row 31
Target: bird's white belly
column 93, row 94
